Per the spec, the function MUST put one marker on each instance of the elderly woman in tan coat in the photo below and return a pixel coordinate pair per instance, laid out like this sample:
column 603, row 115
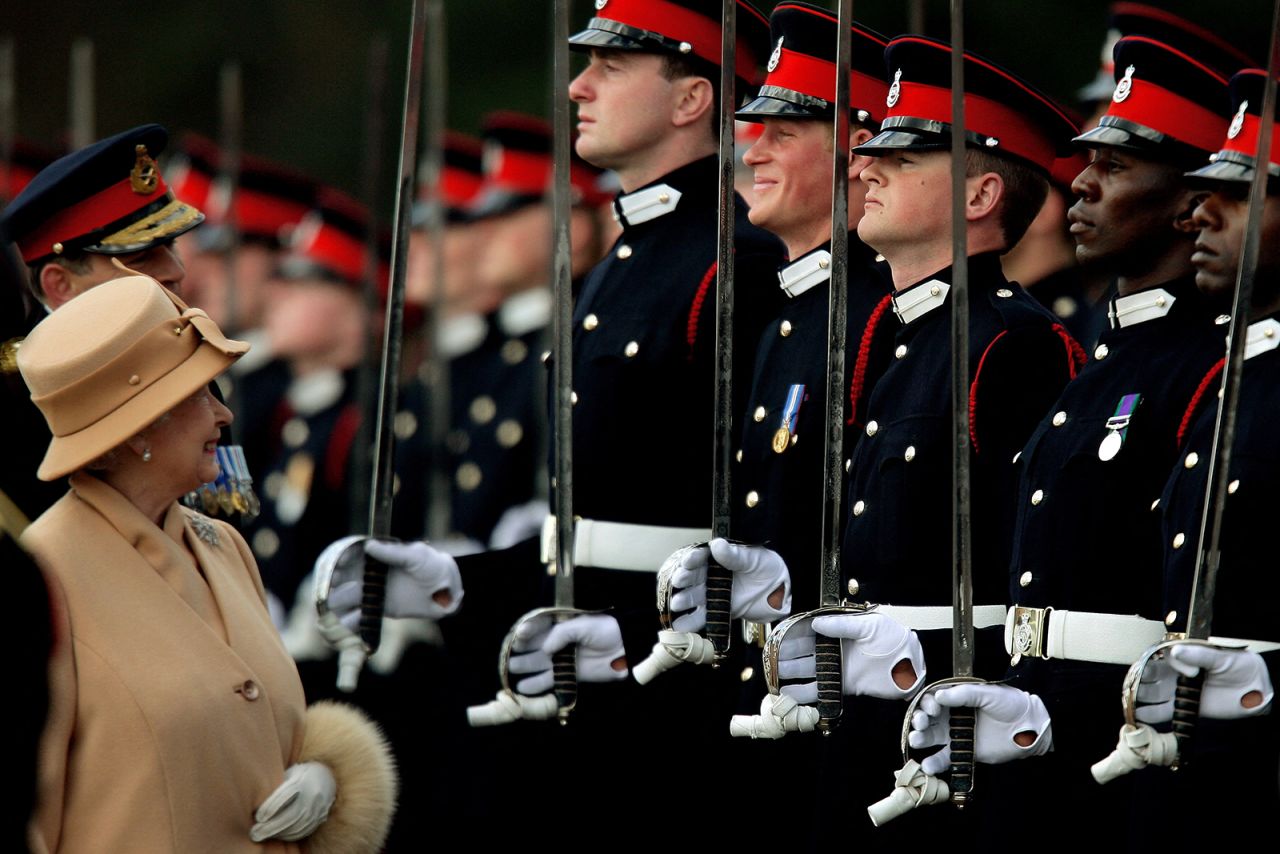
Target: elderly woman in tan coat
column 177, row 720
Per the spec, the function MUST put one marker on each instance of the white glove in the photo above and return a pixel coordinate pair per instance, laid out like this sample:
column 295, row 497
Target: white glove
column 1229, row 675
column 421, row 581
column 757, row 573
column 1003, row 712
column 599, row 646
column 298, row 805
column 871, row 645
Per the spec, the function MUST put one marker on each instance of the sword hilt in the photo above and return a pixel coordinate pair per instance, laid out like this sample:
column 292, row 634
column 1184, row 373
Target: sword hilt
column 827, row 655
column 373, row 598
column 1186, row 714
column 564, row 671
column 719, row 608
column 963, row 722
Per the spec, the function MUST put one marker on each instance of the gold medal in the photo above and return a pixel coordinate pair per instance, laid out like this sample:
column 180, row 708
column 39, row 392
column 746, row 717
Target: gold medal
column 781, row 440
column 1110, row 446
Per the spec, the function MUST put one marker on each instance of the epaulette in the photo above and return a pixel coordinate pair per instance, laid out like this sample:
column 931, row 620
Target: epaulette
column 9, row 355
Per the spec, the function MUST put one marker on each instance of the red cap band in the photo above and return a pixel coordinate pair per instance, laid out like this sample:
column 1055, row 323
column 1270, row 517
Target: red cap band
column 1246, row 141
column 1169, row 113
column 816, row 77
column 88, row 215
column 670, row 19
column 341, row 252
column 983, row 116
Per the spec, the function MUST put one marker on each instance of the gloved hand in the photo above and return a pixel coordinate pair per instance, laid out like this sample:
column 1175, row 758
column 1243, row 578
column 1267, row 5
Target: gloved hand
column 1233, row 677
column 298, row 805
column 1003, row 713
column 757, row 573
column 872, row 645
column 421, row 581
column 601, row 656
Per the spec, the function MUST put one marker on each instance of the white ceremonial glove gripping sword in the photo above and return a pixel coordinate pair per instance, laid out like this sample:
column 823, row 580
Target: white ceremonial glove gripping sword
column 872, row 646
column 601, row 657
column 1004, row 713
column 298, row 806
column 758, row 574
column 422, row 583
column 1236, row 685
column 1006, row 718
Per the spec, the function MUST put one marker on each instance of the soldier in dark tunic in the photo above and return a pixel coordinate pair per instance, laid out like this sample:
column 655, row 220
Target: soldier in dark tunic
column 1086, row 539
column 1237, row 738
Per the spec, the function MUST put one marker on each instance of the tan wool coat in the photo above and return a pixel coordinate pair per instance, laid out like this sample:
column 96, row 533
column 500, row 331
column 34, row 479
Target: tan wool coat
column 174, row 708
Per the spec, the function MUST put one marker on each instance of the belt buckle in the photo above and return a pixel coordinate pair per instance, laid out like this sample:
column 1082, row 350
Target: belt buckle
column 1028, row 632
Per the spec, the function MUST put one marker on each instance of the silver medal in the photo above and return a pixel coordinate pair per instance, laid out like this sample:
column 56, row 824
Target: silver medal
column 1110, row 446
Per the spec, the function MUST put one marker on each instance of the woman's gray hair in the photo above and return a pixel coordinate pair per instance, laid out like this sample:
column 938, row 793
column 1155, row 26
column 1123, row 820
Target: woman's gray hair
column 111, row 459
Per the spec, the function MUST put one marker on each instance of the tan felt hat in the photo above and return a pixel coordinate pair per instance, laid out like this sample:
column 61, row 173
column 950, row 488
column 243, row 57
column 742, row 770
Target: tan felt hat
column 113, row 360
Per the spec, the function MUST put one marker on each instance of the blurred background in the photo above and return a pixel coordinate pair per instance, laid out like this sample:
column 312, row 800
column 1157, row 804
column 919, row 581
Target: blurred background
column 306, row 64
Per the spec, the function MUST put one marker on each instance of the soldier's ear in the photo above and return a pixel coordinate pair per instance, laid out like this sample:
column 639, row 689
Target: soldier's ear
column 56, row 284
column 1184, row 220
column 858, row 162
column 694, row 99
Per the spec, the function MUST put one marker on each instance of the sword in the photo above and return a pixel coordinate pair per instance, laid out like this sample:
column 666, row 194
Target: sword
column 375, row 574
column 719, row 579
column 231, row 135
column 1186, row 704
column 80, row 118
column 564, row 662
column 366, row 386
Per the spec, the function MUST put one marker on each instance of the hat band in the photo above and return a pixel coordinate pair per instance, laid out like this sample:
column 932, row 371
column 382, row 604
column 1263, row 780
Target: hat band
column 1170, row 115
column 999, row 129
column 167, row 345
column 645, row 22
column 1246, row 139
column 816, row 78
column 90, row 216
column 331, row 247
column 1248, row 161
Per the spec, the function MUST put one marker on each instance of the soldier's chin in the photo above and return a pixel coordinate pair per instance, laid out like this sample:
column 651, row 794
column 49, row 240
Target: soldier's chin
column 1213, row 283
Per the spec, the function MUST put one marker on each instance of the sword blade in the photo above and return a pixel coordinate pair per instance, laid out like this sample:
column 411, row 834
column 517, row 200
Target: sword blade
column 827, row 651
column 81, row 106
column 719, row 580
column 374, row 590
column 561, row 279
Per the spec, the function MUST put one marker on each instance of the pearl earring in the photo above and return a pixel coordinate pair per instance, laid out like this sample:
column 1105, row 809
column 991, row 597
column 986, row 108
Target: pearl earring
column 146, row 455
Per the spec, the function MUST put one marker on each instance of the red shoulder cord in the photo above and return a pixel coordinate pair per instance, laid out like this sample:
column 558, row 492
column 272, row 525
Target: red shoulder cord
column 858, row 381
column 1197, row 398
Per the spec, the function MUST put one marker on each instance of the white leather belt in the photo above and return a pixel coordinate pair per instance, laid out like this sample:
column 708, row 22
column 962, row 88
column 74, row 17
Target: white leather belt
column 619, row 545
column 929, row 617
column 1092, row 637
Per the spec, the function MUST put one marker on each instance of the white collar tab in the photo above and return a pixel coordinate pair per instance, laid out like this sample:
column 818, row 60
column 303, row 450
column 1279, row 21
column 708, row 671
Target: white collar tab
column 917, row 301
column 801, row 275
column 1140, row 307
column 644, row 205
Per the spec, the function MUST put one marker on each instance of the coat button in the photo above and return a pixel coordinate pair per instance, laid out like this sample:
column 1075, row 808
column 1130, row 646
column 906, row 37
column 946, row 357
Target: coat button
column 295, row 432
column 631, row 349
column 1178, row 539
column 405, row 424
column 249, row 690
column 1101, row 351
column 738, row 456
column 1017, row 457
column 514, row 351
column 910, row 453
column 1170, row 618
column 872, row 428
column 746, row 674
column 573, row 398
column 784, row 328
column 759, row 414
column 483, row 409
column 510, row 433
column 1155, row 504
column 1191, row 460
column 590, row 322
column 266, row 543
column 1037, row 497
column 859, row 507
column 1059, row 418
column 848, row 464
column 546, row 354
column 468, row 476
column 1024, row 580
column 1232, row 487
column 624, row 252
column 853, row 587
column 934, row 291
column 753, row 498
column 1004, row 293
column 900, row 352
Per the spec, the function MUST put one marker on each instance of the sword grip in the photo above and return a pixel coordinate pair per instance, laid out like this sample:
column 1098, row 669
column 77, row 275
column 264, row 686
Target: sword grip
column 564, row 671
column 1186, row 714
column 963, row 723
column 719, row 606
column 829, row 663
column 373, row 597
